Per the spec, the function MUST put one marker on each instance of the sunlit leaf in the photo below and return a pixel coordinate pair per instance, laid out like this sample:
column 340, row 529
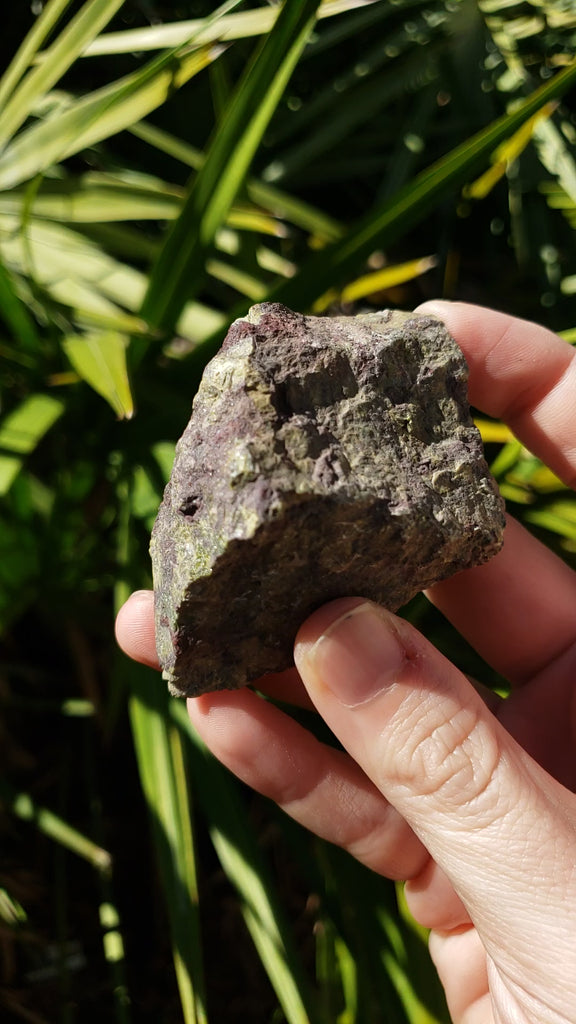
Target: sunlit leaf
column 20, row 432
column 97, row 199
column 82, row 122
column 82, row 275
column 162, row 775
column 493, row 432
column 23, row 806
column 505, row 155
column 245, row 868
column 15, row 314
column 558, row 517
column 81, row 30
column 100, row 359
column 242, row 25
column 382, row 225
column 41, row 29
column 179, row 269
column 377, row 281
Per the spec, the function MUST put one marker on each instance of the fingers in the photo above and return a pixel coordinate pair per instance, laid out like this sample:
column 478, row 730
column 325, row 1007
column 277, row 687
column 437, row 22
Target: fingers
column 319, row 786
column 468, row 988
column 135, row 628
column 489, row 816
column 517, row 610
column 522, row 373
column 135, row 635
column 285, row 687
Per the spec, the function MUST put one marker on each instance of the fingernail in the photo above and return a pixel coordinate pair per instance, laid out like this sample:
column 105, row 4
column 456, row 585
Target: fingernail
column 359, row 655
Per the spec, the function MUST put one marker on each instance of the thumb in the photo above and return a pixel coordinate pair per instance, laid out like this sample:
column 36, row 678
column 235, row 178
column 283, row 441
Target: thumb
column 501, row 829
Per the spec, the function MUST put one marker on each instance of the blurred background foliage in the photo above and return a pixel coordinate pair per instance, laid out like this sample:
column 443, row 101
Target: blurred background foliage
column 163, row 165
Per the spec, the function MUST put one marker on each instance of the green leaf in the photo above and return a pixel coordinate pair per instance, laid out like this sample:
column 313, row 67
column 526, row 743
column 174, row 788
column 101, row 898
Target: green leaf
column 21, row 431
column 162, row 775
column 79, row 123
column 75, row 270
column 334, row 264
column 83, row 28
column 161, row 769
column 11, row 911
column 100, row 359
column 24, row 807
column 506, row 154
column 377, row 280
column 243, row 25
column 41, row 29
column 15, row 313
column 103, row 199
column 245, row 868
column 97, row 199
column 278, row 202
column 558, row 517
column 181, row 265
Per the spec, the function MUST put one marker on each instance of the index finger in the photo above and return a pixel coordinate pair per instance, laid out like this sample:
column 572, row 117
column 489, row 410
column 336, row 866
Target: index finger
column 522, row 373
column 517, row 610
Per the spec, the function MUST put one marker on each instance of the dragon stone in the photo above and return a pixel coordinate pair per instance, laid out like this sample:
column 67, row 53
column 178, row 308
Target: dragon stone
column 325, row 457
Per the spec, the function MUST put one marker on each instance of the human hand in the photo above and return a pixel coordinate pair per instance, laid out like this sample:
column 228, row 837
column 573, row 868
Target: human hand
column 469, row 799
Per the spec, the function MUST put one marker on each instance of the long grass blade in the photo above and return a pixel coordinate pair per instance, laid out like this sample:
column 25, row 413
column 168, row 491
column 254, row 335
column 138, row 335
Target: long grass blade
column 180, row 267
column 300, row 213
column 378, row 280
column 97, row 199
column 102, row 199
column 105, row 112
column 21, row 431
column 52, row 825
column 243, row 25
column 161, row 770
column 171, row 817
column 241, row 859
column 505, row 154
column 15, row 314
column 408, row 206
column 81, row 275
column 29, row 47
column 83, row 28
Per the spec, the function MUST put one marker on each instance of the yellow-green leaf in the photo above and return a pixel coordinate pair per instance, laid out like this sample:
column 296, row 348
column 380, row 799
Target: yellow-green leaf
column 243, row 25
column 80, row 123
column 379, row 280
column 23, row 58
column 100, row 359
column 21, row 431
column 493, row 432
column 181, row 263
column 506, row 154
column 81, row 30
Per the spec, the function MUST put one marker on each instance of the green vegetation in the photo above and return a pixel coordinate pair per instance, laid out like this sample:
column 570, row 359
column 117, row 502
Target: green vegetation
column 161, row 168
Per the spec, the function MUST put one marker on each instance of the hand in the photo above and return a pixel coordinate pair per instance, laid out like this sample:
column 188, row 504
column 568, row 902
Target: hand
column 469, row 799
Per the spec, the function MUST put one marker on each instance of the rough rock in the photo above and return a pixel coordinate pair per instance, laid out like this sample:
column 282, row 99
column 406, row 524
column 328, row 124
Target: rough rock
column 325, row 456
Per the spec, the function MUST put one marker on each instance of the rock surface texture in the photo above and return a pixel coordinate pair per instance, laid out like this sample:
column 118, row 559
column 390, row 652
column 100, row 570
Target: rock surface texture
column 325, row 456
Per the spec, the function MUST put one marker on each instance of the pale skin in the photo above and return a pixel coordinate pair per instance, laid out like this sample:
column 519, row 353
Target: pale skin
column 468, row 798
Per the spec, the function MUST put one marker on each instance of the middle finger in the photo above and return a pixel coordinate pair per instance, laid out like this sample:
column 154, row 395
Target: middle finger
column 319, row 786
column 517, row 611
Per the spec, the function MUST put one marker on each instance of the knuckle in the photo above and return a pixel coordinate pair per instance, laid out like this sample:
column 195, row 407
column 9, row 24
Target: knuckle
column 441, row 752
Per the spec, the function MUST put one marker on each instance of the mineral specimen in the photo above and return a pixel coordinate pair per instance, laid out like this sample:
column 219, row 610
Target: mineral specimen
column 325, row 456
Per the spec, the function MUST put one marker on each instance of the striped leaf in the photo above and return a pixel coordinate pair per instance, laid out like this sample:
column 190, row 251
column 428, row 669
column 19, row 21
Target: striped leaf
column 180, row 268
column 99, row 358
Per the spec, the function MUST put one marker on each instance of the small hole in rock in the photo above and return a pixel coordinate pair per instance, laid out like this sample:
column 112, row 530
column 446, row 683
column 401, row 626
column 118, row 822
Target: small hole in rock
column 190, row 506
